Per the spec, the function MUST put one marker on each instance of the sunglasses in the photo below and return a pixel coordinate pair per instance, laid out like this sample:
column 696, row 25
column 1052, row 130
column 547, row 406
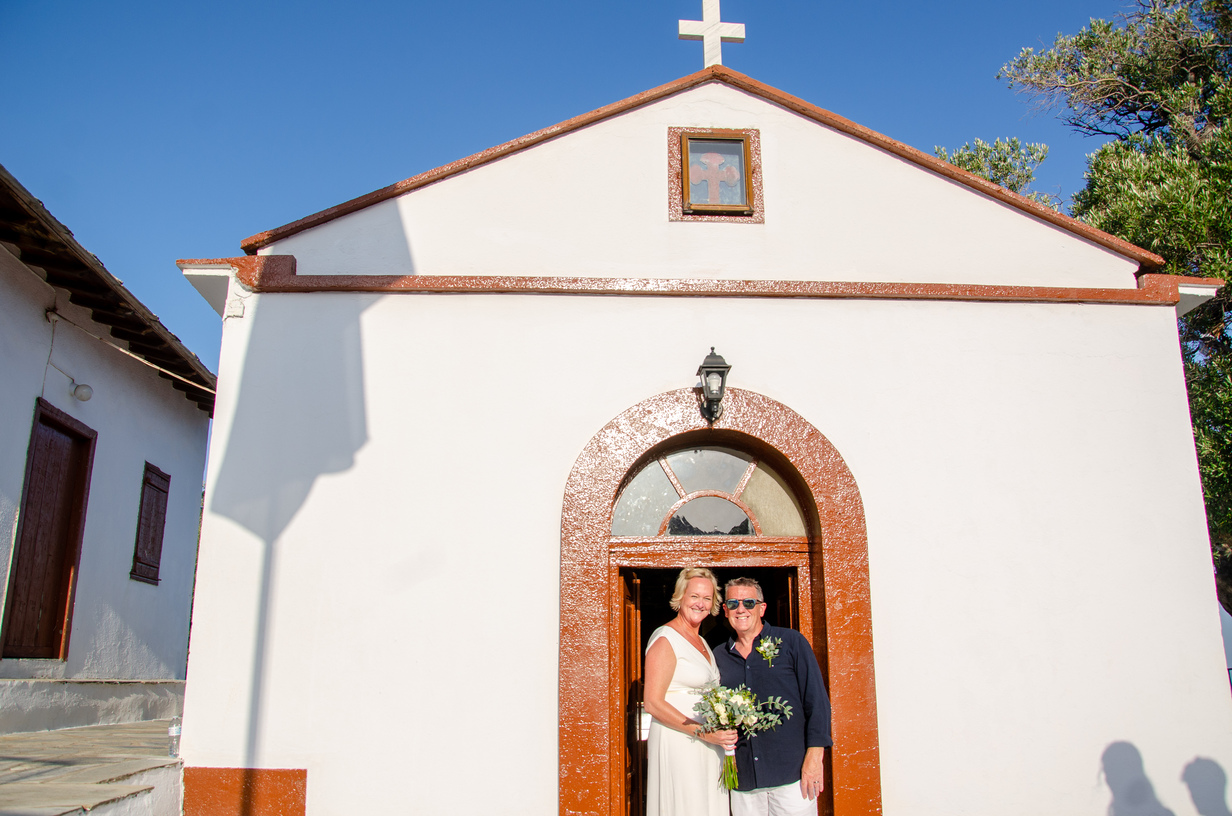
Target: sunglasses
column 734, row 603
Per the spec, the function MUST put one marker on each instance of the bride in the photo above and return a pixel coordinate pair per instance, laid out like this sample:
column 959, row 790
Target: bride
column 684, row 766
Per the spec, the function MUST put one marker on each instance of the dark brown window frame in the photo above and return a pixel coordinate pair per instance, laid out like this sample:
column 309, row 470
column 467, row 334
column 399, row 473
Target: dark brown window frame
column 47, row 414
column 679, row 208
column 154, row 483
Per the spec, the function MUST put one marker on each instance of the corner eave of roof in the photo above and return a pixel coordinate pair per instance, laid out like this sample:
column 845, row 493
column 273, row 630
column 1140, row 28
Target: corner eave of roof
column 1148, row 261
column 199, row 382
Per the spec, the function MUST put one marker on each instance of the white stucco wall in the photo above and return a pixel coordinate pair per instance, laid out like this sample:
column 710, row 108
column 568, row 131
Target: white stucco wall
column 122, row 629
column 381, row 543
column 594, row 203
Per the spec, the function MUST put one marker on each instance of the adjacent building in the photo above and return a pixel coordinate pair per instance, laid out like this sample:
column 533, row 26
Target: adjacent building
column 102, row 454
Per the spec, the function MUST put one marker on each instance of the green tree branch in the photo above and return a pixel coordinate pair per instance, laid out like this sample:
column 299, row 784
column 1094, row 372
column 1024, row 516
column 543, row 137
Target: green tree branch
column 1159, row 82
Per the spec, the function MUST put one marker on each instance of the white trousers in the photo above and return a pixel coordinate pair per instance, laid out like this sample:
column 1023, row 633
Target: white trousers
column 785, row 800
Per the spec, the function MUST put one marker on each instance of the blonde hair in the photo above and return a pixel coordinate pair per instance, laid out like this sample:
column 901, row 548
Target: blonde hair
column 682, row 581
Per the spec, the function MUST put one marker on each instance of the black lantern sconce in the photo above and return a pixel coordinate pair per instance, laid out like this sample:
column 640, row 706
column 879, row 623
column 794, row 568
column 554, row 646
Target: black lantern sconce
column 713, row 373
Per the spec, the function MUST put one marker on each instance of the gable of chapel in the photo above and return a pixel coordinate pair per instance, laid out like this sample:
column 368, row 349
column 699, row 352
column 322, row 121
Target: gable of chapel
column 591, row 198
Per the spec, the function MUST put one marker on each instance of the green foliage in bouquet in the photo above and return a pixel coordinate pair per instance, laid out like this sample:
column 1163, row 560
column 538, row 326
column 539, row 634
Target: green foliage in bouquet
column 723, row 709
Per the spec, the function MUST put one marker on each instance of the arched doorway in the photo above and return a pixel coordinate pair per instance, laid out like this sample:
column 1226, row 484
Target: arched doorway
column 830, row 563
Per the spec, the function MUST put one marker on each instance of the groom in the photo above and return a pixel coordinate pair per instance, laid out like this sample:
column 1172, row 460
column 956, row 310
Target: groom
column 782, row 772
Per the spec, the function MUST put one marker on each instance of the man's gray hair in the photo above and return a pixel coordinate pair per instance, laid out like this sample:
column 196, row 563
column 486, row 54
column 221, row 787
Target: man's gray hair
column 744, row 582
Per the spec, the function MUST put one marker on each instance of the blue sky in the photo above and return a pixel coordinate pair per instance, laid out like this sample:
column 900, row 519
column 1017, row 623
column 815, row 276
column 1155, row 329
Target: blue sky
column 158, row 130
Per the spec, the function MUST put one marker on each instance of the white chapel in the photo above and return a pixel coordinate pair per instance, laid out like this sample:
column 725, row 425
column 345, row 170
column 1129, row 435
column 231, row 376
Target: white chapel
column 460, row 451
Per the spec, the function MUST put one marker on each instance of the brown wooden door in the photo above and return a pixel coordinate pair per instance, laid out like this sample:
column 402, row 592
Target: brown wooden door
column 38, row 606
column 635, row 746
column 786, row 611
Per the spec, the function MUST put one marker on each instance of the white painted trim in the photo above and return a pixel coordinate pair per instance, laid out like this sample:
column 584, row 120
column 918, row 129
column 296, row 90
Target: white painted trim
column 1194, row 295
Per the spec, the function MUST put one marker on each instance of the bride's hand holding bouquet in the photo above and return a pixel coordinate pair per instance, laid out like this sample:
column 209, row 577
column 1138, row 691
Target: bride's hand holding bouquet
column 723, row 738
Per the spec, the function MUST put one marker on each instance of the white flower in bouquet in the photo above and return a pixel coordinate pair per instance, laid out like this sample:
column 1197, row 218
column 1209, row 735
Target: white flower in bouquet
column 749, row 715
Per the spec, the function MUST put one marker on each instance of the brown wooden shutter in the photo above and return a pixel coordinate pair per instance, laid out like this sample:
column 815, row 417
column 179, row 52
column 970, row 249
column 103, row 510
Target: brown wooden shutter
column 148, row 552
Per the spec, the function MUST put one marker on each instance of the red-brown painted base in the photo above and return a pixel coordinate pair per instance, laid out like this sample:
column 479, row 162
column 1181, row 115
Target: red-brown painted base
column 245, row 791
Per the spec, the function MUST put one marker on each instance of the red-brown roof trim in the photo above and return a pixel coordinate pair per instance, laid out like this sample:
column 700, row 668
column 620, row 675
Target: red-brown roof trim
column 276, row 274
column 716, row 73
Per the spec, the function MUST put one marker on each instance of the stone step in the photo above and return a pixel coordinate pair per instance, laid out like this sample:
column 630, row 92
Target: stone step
column 59, row 798
column 76, row 770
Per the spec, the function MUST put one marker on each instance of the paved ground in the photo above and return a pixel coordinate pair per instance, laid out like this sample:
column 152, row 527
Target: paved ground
column 50, row 773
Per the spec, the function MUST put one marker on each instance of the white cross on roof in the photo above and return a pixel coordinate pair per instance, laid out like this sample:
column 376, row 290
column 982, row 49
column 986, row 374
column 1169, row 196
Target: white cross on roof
column 711, row 32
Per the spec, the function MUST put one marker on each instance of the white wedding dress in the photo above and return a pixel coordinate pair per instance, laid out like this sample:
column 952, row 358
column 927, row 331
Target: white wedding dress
column 683, row 773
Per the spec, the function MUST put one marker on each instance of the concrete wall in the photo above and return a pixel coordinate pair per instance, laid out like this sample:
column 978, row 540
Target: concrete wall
column 594, row 203
column 380, row 552
column 42, row 705
column 122, row 629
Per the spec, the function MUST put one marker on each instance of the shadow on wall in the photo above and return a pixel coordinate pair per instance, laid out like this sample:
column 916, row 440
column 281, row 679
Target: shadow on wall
column 1134, row 795
column 373, row 243
column 300, row 414
column 1208, row 787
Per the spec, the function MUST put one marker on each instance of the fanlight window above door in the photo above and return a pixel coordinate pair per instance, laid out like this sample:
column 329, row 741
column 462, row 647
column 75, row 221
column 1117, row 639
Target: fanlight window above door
column 707, row 492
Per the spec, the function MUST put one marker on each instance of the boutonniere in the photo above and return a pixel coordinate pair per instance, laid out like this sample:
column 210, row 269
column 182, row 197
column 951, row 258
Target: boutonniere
column 769, row 649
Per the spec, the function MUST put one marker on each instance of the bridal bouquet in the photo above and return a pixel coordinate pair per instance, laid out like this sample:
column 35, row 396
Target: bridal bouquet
column 722, row 709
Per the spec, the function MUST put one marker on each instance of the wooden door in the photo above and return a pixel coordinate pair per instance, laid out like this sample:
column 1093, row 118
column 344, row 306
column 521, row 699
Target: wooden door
column 635, row 746
column 38, row 606
column 786, row 612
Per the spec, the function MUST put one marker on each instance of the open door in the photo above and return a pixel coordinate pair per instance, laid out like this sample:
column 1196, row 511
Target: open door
column 660, row 488
column 786, row 606
column 645, row 594
column 635, row 742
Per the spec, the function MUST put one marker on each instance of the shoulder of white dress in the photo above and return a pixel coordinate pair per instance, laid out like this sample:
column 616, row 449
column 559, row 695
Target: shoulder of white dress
column 660, row 634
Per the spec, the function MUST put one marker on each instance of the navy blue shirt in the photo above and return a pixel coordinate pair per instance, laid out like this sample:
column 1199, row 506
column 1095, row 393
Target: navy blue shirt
column 773, row 758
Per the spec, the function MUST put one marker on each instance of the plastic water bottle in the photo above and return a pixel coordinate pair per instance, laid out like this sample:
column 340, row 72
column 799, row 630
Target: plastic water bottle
column 173, row 737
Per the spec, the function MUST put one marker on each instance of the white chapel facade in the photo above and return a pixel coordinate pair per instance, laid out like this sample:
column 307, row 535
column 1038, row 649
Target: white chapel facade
column 955, row 437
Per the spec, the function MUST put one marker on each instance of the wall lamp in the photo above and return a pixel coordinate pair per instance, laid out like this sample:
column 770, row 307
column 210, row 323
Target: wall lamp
column 713, row 374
